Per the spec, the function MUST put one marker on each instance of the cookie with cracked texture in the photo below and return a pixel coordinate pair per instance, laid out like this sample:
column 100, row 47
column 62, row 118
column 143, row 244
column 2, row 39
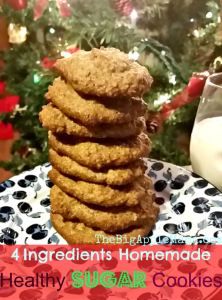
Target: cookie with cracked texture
column 104, row 153
column 53, row 119
column 77, row 233
column 102, row 195
column 91, row 111
column 104, row 72
column 110, row 220
column 112, row 176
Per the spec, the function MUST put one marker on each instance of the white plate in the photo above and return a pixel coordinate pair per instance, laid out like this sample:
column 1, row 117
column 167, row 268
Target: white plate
column 190, row 208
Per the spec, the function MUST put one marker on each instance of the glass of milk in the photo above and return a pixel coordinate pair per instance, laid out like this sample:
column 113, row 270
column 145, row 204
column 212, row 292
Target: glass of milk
column 206, row 139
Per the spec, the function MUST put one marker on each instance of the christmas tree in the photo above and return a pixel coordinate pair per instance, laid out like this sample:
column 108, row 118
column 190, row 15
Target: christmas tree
column 171, row 38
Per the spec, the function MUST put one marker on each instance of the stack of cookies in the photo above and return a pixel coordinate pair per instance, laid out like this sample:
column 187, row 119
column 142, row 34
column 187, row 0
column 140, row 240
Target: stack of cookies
column 95, row 117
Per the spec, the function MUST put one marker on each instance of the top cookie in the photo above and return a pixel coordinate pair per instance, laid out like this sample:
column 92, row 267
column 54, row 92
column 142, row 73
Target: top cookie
column 105, row 72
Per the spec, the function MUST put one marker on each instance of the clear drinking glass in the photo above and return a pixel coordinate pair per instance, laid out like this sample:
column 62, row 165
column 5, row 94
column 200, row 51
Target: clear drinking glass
column 206, row 138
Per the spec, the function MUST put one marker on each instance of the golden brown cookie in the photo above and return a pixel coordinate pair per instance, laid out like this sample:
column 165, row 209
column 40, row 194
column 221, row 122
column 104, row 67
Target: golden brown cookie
column 105, row 154
column 102, row 195
column 110, row 220
column 89, row 111
column 78, row 233
column 53, row 119
column 113, row 176
column 105, row 72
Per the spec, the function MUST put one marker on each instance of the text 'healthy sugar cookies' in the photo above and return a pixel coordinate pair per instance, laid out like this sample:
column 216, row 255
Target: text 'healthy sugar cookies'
column 97, row 137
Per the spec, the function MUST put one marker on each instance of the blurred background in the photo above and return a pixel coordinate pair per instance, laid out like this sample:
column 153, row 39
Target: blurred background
column 179, row 41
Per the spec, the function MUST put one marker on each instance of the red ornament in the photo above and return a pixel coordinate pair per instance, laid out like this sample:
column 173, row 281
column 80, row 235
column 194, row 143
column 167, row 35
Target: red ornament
column 39, row 8
column 166, row 111
column 191, row 92
column 64, row 8
column 47, row 63
column 8, row 103
column 2, row 87
column 72, row 50
column 196, row 85
column 6, row 131
column 166, row 107
column 124, row 7
column 180, row 99
column 17, row 4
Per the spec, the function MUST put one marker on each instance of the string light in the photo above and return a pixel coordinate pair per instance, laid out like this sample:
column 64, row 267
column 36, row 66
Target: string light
column 209, row 15
column 134, row 16
column 163, row 52
column 196, row 33
column 36, row 78
column 134, row 55
column 164, row 98
column 52, row 30
column 65, row 54
column 18, row 109
column 192, row 20
column 172, row 78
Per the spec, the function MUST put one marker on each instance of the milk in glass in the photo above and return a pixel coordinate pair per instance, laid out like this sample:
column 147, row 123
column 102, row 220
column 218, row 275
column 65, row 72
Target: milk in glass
column 206, row 138
column 206, row 150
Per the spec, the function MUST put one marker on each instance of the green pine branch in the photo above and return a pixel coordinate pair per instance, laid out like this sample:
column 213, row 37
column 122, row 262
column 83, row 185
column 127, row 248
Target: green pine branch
column 96, row 23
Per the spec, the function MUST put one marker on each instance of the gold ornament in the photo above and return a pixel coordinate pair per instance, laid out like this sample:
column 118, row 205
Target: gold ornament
column 217, row 64
column 17, row 33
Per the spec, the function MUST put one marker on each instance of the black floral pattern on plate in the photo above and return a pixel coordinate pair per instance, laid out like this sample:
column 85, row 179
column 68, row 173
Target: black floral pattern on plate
column 201, row 205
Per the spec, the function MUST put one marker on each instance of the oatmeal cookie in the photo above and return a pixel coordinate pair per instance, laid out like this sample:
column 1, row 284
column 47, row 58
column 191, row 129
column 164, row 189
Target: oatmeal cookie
column 110, row 220
column 105, row 72
column 104, row 154
column 90, row 111
column 102, row 195
column 112, row 176
column 53, row 119
column 78, row 233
